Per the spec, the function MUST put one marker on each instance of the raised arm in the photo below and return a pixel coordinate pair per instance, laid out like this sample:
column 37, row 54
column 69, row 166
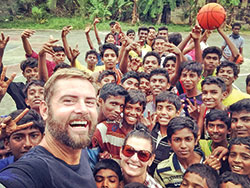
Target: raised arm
column 66, row 31
column 196, row 35
column 184, row 42
column 3, row 42
column 87, row 30
column 26, row 44
column 99, row 42
column 74, row 54
column 235, row 52
column 42, row 67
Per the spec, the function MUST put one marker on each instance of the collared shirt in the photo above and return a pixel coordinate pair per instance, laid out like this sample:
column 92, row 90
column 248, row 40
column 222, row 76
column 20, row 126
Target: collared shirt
column 151, row 183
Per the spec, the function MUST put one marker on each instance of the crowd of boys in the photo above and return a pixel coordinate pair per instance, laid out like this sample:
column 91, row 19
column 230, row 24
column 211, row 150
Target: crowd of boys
column 67, row 133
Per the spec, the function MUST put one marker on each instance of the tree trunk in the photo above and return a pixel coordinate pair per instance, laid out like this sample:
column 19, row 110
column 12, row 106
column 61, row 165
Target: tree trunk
column 135, row 16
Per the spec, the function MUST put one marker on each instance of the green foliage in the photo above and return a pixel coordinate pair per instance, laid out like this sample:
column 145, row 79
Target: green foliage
column 100, row 9
column 229, row 3
column 39, row 14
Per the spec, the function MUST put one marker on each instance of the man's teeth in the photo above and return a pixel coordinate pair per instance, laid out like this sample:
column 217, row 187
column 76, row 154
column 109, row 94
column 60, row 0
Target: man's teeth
column 237, row 167
column 78, row 123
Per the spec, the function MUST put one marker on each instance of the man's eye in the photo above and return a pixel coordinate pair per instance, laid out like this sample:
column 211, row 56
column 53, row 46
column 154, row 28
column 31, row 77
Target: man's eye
column 18, row 138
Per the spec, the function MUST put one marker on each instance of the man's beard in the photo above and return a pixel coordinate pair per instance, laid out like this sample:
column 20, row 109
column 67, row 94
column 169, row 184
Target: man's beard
column 61, row 132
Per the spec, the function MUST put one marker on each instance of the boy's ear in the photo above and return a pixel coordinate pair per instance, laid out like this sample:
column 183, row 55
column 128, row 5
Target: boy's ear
column 6, row 143
column 224, row 95
column 100, row 101
column 27, row 102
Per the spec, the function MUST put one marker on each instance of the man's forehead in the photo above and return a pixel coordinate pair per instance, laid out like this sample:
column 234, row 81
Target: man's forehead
column 242, row 113
column 26, row 130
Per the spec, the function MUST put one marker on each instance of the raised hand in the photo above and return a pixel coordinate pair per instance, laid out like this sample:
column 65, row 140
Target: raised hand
column 193, row 109
column 3, row 41
column 27, row 33
column 97, row 20
column 74, row 52
column 66, row 30
column 5, row 84
column 196, row 32
column 48, row 47
column 87, row 29
column 9, row 125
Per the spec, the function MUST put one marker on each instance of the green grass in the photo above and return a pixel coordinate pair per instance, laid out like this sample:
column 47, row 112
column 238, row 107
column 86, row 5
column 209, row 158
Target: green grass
column 77, row 23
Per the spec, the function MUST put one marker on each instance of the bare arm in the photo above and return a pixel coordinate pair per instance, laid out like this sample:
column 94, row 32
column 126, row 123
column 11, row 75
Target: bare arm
column 184, row 42
column 196, row 35
column 87, row 30
column 3, row 43
column 26, row 44
column 65, row 31
column 74, row 54
column 96, row 31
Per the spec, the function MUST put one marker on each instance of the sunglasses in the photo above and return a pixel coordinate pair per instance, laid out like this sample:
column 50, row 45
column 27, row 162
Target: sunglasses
column 129, row 151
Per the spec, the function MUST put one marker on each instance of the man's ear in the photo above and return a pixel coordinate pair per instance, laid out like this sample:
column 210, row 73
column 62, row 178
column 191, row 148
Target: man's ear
column 6, row 143
column 44, row 110
column 100, row 101
column 27, row 102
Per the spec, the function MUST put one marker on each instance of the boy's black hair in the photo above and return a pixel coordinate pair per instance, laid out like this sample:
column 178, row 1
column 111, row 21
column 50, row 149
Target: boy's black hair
column 109, row 46
column 178, row 123
column 160, row 71
column 130, row 31
column 234, row 66
column 58, row 49
column 32, row 82
column 91, row 52
column 212, row 50
column 130, row 74
column 29, row 62
column 152, row 27
column 241, row 105
column 110, row 164
column 167, row 58
column 135, row 185
column 156, row 38
column 216, row 114
column 112, row 23
column 144, row 75
column 140, row 131
column 61, row 66
column 143, row 28
column 152, row 53
column 192, row 66
column 31, row 116
column 175, row 38
column 247, row 79
column 236, row 24
column 205, row 172
column 136, row 96
column 112, row 89
column 236, row 179
column 214, row 80
column 106, row 37
column 238, row 141
column 162, row 28
column 170, row 97
column 105, row 73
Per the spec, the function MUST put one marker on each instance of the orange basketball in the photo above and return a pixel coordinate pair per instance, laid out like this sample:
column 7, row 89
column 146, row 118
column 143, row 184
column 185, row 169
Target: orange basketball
column 211, row 16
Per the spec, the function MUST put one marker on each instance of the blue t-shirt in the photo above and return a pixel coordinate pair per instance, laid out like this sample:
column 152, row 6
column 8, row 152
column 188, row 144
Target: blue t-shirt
column 6, row 161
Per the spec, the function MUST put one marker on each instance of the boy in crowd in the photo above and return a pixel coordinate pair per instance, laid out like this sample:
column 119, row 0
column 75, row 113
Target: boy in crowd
column 151, row 35
column 163, row 32
column 130, row 80
column 218, row 126
column 200, row 175
column 109, row 55
column 107, row 173
column 112, row 98
column 109, row 136
column 236, row 39
column 158, row 81
column 158, row 45
column 151, row 61
column 131, row 34
column 240, row 115
column 175, row 38
column 143, row 35
column 144, row 85
column 106, row 76
column 29, row 69
column 34, row 91
column 168, row 106
column 20, row 140
column 190, row 76
column 58, row 56
column 182, row 135
column 229, row 179
column 229, row 71
column 239, row 155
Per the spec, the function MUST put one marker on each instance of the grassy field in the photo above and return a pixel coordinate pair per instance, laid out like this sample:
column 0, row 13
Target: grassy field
column 77, row 23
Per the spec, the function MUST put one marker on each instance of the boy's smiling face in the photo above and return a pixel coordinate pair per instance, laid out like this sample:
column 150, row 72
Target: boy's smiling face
column 241, row 123
column 165, row 112
column 189, row 79
column 30, row 73
column 158, row 83
column 211, row 61
column 227, row 74
column 193, row 180
column 212, row 96
column 217, row 130
column 239, row 159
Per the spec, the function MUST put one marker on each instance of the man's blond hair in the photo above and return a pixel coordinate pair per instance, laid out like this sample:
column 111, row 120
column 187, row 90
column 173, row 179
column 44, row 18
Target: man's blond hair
column 65, row 73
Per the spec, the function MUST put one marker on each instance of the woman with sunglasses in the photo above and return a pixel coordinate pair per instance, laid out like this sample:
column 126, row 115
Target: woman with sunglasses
column 137, row 154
